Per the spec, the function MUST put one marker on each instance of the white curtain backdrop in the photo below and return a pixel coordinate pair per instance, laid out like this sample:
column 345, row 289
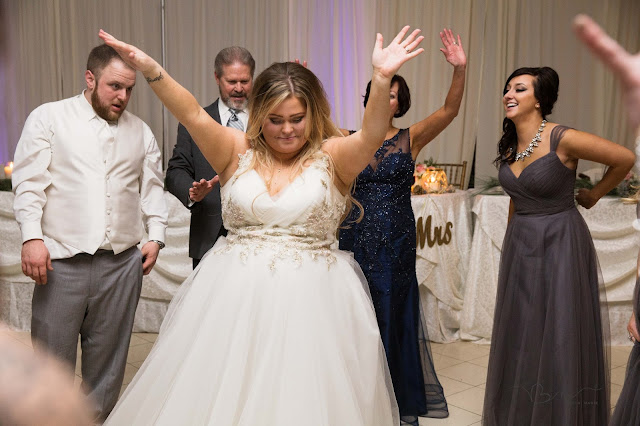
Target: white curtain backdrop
column 44, row 46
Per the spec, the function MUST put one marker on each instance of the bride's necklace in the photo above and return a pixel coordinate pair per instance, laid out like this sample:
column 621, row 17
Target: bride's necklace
column 282, row 166
column 534, row 143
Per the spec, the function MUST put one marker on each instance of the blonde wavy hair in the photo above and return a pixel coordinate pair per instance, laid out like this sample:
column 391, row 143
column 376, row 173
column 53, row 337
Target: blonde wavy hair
column 278, row 82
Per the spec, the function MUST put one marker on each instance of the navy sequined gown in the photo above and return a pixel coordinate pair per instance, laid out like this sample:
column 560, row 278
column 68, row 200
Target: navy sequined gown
column 384, row 244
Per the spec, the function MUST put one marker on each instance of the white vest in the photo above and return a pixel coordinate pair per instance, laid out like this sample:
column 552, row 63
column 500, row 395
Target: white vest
column 95, row 175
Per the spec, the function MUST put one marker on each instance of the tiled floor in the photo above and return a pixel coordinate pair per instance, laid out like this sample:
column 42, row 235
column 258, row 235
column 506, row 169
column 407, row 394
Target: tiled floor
column 461, row 368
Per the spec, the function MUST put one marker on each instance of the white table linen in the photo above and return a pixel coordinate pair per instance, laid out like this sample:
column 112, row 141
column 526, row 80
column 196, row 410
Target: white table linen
column 441, row 269
column 611, row 225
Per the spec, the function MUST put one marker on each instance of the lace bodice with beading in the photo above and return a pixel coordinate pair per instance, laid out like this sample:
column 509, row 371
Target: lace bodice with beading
column 301, row 219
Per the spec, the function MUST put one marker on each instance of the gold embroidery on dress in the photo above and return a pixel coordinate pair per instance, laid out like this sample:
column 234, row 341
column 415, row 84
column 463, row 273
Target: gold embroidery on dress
column 311, row 238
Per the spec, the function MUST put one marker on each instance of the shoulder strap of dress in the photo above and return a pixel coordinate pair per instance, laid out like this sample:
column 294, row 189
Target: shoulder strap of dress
column 404, row 139
column 556, row 134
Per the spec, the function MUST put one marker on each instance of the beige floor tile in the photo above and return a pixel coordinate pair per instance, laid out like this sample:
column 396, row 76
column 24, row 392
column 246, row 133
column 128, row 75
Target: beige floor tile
column 618, row 374
column 139, row 352
column 440, row 362
column 137, row 340
column 615, row 393
column 149, row 337
column 21, row 336
column 137, row 364
column 625, row 350
column 483, row 361
column 619, row 357
column 465, row 351
column 467, row 373
column 77, row 381
column 470, row 400
column 129, row 372
column 122, row 389
column 451, row 387
column 457, row 417
column 437, row 347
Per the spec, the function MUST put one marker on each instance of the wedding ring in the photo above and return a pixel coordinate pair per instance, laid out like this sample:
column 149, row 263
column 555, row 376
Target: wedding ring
column 408, row 50
column 455, row 43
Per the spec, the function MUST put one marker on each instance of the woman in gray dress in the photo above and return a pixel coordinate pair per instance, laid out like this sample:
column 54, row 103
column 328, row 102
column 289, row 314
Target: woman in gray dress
column 548, row 363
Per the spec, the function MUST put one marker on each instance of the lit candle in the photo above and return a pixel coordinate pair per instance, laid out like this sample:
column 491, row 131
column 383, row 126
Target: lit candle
column 430, row 182
column 434, row 185
column 8, row 169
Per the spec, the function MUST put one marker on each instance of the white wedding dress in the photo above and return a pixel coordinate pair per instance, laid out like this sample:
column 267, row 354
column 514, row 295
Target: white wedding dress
column 275, row 327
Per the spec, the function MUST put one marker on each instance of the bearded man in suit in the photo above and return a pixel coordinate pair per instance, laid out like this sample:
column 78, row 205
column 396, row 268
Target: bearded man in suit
column 190, row 178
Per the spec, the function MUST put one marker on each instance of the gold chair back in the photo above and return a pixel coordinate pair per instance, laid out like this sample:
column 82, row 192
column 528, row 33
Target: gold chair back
column 456, row 173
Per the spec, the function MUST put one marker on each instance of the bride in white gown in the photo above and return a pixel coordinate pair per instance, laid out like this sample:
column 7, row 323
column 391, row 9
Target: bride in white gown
column 275, row 326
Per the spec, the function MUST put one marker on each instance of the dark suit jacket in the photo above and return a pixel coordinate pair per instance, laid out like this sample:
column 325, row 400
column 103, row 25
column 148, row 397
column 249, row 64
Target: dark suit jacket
column 186, row 166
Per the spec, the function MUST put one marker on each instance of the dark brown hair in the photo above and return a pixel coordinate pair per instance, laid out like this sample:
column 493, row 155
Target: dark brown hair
column 404, row 96
column 545, row 90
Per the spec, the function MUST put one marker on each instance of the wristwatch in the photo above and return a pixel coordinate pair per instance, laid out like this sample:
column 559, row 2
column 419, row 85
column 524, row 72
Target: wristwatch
column 158, row 242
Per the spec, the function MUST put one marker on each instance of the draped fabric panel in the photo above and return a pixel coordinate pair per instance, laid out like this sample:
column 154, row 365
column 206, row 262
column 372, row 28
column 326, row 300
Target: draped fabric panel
column 44, row 45
column 538, row 33
column 47, row 47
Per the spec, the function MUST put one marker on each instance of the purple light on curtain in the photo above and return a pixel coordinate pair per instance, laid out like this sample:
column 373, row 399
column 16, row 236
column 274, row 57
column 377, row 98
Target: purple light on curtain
column 330, row 48
column 4, row 55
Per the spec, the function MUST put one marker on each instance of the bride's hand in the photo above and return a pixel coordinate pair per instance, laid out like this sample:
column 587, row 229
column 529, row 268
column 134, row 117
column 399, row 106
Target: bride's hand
column 387, row 61
column 130, row 54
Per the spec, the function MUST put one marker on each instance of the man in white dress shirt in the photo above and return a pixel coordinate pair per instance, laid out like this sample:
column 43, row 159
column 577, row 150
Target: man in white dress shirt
column 87, row 179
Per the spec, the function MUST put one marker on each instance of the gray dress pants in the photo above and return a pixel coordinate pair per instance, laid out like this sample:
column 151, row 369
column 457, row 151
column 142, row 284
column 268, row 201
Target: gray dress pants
column 94, row 296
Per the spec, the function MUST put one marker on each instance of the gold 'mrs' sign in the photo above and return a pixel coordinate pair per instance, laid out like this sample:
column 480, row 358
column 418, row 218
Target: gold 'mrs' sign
column 424, row 232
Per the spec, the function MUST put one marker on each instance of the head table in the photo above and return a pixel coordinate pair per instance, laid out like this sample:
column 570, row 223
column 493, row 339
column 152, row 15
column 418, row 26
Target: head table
column 459, row 237
column 616, row 242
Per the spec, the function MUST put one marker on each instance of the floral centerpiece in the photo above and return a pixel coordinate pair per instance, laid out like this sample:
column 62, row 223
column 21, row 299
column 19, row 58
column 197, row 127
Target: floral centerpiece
column 430, row 179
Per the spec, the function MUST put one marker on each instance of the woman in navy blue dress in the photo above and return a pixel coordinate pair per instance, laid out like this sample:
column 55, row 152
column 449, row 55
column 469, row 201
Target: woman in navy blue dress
column 384, row 242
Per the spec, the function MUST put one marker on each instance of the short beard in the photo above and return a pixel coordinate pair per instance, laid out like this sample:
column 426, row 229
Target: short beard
column 229, row 102
column 103, row 111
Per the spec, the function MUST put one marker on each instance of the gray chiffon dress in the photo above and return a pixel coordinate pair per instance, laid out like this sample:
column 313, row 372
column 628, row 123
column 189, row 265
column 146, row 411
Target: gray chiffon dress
column 548, row 363
column 627, row 411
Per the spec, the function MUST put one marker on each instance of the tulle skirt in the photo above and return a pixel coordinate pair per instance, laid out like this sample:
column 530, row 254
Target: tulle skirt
column 627, row 411
column 253, row 340
column 548, row 363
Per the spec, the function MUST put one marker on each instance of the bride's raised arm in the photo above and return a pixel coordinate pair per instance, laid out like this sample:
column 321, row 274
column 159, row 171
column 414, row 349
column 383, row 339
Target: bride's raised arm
column 217, row 143
column 351, row 154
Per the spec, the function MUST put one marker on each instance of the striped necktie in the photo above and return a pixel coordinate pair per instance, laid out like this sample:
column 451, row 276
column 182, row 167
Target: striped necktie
column 234, row 121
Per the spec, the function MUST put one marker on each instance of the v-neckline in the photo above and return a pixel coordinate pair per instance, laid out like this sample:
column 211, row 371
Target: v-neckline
column 529, row 165
column 278, row 195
